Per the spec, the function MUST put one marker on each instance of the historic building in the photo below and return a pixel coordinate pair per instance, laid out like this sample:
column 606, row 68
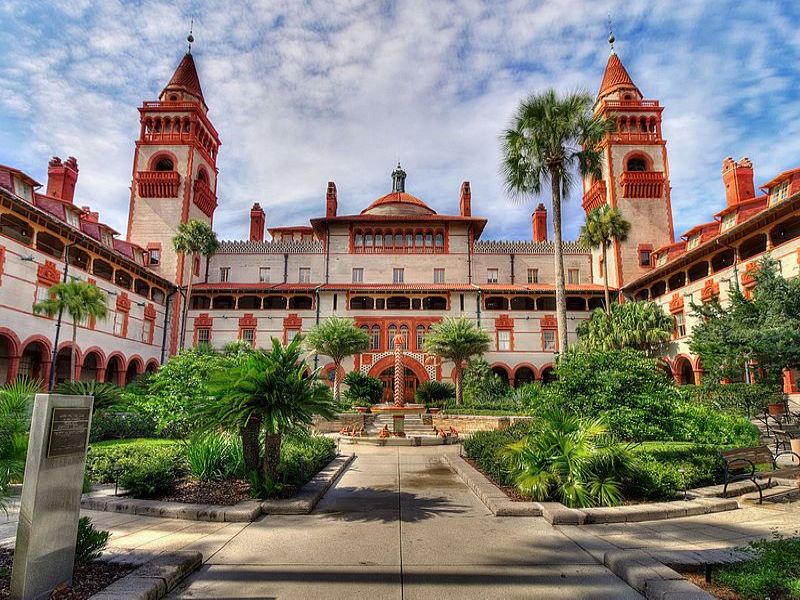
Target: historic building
column 396, row 267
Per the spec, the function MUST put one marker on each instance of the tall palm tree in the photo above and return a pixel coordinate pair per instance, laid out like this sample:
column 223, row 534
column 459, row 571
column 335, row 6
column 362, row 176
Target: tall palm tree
column 80, row 300
column 603, row 226
column 194, row 238
column 338, row 338
column 550, row 137
column 265, row 390
column 456, row 340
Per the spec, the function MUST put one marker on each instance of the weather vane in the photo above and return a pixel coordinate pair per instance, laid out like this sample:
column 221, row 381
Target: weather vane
column 190, row 37
column 611, row 38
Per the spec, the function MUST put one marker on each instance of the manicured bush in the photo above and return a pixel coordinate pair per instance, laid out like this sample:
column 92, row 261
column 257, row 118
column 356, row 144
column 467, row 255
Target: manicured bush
column 744, row 399
column 303, row 456
column 114, row 425
column 704, row 424
column 662, row 470
column 152, row 474
column 108, row 460
column 435, row 393
column 362, row 390
column 773, row 573
column 215, row 456
column 90, row 542
column 485, row 448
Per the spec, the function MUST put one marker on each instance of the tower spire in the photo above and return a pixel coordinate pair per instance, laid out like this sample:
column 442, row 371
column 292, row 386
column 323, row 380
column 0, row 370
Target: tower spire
column 190, row 37
column 611, row 38
column 398, row 179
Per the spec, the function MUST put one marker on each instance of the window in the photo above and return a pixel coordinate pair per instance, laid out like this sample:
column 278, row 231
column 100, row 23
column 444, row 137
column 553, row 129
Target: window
column 291, row 334
column 693, row 242
column 42, row 293
column 154, row 257
column 573, row 276
column 398, row 275
column 224, row 274
column 644, row 257
column 73, row 219
column 503, row 340
column 120, row 319
column 203, row 335
column 680, row 325
column 147, row 331
column 404, row 333
column 248, row 335
column 304, row 275
column 164, row 164
column 375, row 334
column 358, row 275
column 491, row 275
column 438, row 276
column 439, row 242
column 107, row 240
column 779, row 192
column 263, row 274
column 728, row 221
column 420, row 336
column 662, row 259
column 533, row 275
column 549, row 340
column 391, row 332
column 637, row 164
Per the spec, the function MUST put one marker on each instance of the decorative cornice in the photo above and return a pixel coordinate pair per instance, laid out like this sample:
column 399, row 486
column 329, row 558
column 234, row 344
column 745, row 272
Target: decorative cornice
column 248, row 321
column 203, row 320
column 123, row 302
column 504, row 322
column 549, row 322
column 47, row 273
column 150, row 312
column 676, row 304
column 292, row 321
column 526, row 247
column 271, row 247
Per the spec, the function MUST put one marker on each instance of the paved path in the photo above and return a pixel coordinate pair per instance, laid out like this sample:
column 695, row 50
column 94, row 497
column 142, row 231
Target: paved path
column 400, row 524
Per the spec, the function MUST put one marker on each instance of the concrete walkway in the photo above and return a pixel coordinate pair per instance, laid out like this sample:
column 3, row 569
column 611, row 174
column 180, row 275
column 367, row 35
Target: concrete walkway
column 400, row 524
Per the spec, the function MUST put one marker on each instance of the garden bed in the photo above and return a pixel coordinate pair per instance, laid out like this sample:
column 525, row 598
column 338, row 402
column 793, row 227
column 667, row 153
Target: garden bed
column 226, row 492
column 88, row 579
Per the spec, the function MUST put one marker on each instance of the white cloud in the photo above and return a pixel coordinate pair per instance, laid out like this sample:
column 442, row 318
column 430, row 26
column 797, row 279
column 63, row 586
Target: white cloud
column 303, row 93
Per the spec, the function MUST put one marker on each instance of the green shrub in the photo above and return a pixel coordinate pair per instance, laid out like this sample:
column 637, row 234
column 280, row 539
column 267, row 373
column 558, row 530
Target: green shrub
column 111, row 425
column 106, row 395
column 704, row 424
column 773, row 573
column 485, row 447
column 482, row 385
column 151, row 475
column 90, row 542
column 303, row 456
column 106, row 461
column 215, row 456
column 744, row 399
column 362, row 390
column 435, row 393
column 664, row 470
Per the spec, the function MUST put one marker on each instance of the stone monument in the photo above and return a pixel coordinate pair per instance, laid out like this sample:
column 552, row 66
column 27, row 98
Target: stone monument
column 44, row 554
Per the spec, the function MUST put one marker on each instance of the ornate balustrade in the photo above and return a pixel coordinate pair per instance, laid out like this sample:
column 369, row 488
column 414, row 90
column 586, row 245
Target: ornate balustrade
column 642, row 184
column 204, row 198
column 595, row 197
column 158, row 184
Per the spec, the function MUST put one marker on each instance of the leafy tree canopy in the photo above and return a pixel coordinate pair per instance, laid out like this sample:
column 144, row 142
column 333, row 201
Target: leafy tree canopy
column 637, row 325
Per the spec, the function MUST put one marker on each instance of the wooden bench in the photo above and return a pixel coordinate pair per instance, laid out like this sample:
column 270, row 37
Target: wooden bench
column 742, row 464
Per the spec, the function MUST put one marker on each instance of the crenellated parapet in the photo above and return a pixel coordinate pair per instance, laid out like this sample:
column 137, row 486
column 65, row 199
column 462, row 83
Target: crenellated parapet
column 270, row 247
column 526, row 247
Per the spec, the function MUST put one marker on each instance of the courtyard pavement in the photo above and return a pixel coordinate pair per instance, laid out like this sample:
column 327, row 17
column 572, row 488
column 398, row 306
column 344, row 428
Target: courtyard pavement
column 399, row 524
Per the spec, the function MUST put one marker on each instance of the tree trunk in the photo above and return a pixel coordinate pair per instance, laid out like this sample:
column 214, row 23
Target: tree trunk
column 605, row 280
column 186, row 300
column 250, row 444
column 272, row 456
column 561, row 299
column 459, row 396
column 336, row 382
column 72, row 350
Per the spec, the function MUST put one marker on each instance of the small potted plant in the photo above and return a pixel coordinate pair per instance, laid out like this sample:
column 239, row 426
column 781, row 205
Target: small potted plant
column 776, row 409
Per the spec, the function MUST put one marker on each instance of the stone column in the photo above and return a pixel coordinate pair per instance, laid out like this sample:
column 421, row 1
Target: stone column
column 399, row 372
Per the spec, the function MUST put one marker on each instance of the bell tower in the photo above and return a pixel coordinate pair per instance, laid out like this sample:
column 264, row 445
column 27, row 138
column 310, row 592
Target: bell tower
column 635, row 174
column 174, row 169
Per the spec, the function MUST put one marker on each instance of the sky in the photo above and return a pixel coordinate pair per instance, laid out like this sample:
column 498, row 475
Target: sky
column 306, row 92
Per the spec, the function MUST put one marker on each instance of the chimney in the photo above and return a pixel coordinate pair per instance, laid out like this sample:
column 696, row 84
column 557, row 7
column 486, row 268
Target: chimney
column 257, row 220
column 539, row 224
column 331, row 203
column 466, row 200
column 61, row 178
column 738, row 180
column 89, row 215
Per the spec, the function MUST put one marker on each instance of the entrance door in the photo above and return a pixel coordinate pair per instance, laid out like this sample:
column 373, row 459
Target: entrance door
column 411, row 382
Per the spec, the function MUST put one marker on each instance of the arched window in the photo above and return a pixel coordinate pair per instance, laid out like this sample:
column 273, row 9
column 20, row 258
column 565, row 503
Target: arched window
column 418, row 240
column 78, row 258
column 752, row 246
column 123, row 279
column 722, row 260
column 398, row 240
column 157, row 295
column 368, row 240
column 785, row 231
column 378, row 240
column 420, row 336
column 391, row 332
column 636, row 164
column 15, row 228
column 522, row 303
column 102, row 269
column 359, row 240
column 164, row 164
column 202, row 176
column 409, row 240
column 301, row 302
column 698, row 271
column 141, row 287
column 439, row 241
column 398, row 303
column 429, row 240
column 274, row 302
column 376, row 338
column 658, row 289
column 677, row 281
column 404, row 333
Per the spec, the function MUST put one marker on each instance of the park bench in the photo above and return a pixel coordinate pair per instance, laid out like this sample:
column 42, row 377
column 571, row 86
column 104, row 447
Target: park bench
column 785, row 435
column 747, row 464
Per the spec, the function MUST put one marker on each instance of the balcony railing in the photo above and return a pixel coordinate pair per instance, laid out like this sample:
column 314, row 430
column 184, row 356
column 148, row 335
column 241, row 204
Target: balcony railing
column 642, row 184
column 595, row 197
column 630, row 103
column 158, row 184
column 204, row 198
column 634, row 137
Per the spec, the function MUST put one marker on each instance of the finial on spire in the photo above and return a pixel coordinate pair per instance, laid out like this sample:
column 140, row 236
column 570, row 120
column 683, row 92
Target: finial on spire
column 398, row 179
column 611, row 38
column 190, row 37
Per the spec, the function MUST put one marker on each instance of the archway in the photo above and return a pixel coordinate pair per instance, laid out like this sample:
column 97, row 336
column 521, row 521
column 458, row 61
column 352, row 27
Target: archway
column 151, row 367
column 9, row 357
column 683, row 371
column 548, row 375
column 92, row 366
column 523, row 376
column 502, row 372
column 114, row 369
column 135, row 368
column 414, row 375
column 35, row 360
column 63, row 360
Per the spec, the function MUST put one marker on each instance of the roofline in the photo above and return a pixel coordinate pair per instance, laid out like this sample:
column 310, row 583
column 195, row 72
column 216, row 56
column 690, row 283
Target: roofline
column 30, row 180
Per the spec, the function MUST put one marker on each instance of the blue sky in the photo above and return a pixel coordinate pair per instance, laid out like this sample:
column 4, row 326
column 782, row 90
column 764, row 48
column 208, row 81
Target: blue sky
column 306, row 92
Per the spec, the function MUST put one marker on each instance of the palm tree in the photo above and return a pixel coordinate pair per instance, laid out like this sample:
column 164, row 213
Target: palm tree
column 603, row 226
column 456, row 340
column 16, row 403
column 195, row 238
column 549, row 138
column 639, row 325
column 338, row 338
column 80, row 300
column 269, row 391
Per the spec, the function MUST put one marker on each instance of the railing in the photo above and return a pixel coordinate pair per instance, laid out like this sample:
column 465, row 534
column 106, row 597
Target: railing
column 634, row 137
column 630, row 103
column 158, row 184
column 642, row 184
column 168, row 104
column 595, row 197
column 204, row 198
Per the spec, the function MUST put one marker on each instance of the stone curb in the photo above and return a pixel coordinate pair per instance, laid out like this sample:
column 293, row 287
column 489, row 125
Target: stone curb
column 653, row 579
column 154, row 579
column 242, row 512
column 311, row 493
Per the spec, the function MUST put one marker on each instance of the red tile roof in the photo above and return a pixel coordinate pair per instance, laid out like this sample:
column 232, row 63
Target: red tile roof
column 615, row 77
column 186, row 79
column 398, row 198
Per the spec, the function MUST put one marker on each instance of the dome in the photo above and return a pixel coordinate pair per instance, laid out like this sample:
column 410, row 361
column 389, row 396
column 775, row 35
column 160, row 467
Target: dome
column 398, row 203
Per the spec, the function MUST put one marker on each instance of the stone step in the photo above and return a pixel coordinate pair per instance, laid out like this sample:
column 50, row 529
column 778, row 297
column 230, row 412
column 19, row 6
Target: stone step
column 777, row 494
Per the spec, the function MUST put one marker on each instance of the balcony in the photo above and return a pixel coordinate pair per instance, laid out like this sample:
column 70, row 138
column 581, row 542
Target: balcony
column 204, row 198
column 634, row 137
column 595, row 197
column 158, row 184
column 630, row 103
column 642, row 184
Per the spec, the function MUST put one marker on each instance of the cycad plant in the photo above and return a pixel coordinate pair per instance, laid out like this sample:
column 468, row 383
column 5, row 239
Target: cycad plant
column 267, row 391
column 80, row 300
column 106, row 395
column 551, row 139
column 604, row 225
column 16, row 403
column 570, row 459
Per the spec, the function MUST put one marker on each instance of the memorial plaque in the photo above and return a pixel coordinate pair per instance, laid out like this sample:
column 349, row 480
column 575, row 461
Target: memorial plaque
column 69, row 430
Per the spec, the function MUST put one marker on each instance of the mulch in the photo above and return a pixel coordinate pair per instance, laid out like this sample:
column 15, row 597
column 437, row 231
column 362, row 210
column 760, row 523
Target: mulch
column 225, row 492
column 509, row 490
column 87, row 580
column 718, row 591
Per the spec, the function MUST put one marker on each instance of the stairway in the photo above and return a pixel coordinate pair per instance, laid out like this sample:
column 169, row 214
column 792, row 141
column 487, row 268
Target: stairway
column 413, row 425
